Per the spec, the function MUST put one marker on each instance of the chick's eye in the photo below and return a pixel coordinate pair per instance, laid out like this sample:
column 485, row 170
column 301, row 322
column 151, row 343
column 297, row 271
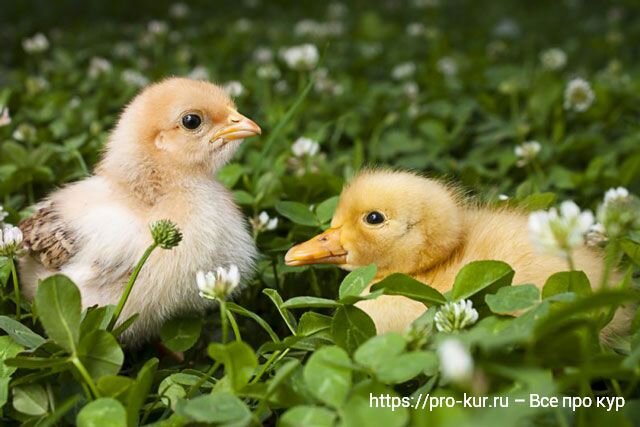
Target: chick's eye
column 374, row 218
column 191, row 121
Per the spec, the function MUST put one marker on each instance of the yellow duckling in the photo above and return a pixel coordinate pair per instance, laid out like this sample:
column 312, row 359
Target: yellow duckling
column 409, row 224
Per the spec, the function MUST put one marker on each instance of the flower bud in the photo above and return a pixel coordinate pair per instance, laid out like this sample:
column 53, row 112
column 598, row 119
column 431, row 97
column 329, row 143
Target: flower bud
column 165, row 234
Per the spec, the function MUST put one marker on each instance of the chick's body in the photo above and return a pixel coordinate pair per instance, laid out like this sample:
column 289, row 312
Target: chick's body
column 409, row 224
column 95, row 230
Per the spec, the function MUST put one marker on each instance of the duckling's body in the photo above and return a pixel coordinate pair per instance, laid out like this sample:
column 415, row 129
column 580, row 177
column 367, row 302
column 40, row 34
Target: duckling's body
column 405, row 223
column 490, row 234
column 502, row 235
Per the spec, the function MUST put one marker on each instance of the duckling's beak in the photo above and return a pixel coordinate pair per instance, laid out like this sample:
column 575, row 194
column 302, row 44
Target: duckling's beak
column 325, row 248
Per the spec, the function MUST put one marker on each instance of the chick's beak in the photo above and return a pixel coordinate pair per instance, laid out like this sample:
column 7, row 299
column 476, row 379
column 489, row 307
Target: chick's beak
column 237, row 127
column 325, row 248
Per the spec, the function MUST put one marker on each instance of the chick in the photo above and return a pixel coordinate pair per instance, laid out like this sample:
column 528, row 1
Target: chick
column 158, row 163
column 408, row 224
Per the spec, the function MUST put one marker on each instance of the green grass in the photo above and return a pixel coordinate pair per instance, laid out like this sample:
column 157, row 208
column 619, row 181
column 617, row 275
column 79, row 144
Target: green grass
column 298, row 363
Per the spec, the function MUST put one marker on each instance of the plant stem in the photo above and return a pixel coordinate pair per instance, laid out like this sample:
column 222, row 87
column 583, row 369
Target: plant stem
column 616, row 387
column 129, row 287
column 274, row 266
column 572, row 266
column 264, row 367
column 275, row 358
column 223, row 321
column 234, row 325
column 16, row 286
column 202, row 379
column 277, row 130
column 612, row 254
column 85, row 375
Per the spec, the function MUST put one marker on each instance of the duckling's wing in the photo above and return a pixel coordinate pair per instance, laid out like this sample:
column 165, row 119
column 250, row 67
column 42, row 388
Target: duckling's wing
column 47, row 237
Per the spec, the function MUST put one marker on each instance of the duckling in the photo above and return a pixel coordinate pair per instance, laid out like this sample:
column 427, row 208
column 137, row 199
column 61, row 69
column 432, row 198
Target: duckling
column 159, row 163
column 405, row 223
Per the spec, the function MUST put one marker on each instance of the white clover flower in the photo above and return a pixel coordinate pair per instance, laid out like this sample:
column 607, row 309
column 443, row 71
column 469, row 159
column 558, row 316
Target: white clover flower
column 157, row 28
column 311, row 28
column 306, row 27
column 3, row 214
column 619, row 212
column 416, row 29
column 268, row 72
column 281, row 86
column 507, row 28
column 242, row 25
column 324, row 84
column 234, row 88
column 179, row 10
column 37, row 83
column 35, row 44
column 454, row 316
column 267, row 222
column 553, row 59
column 218, row 285
column 447, row 66
column 414, row 110
column 614, row 194
column 99, row 66
column 370, row 50
column 5, row 118
column 10, row 240
column 456, row 363
column 337, row 10
column 134, row 78
column 526, row 152
column 334, row 29
column 596, row 235
column 199, row 72
column 123, row 50
column 264, row 222
column 263, row 55
column 403, row 71
column 411, row 90
column 305, row 146
column 578, row 95
column 23, row 132
column 302, row 57
column 557, row 233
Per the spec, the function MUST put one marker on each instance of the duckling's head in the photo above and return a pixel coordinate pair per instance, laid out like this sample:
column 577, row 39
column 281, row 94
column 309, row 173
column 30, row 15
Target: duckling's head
column 400, row 221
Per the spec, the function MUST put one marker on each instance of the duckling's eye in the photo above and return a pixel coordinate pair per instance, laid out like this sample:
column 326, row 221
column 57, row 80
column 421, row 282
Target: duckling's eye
column 191, row 121
column 374, row 218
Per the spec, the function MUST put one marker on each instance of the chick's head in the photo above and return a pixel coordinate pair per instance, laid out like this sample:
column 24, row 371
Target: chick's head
column 397, row 220
column 182, row 122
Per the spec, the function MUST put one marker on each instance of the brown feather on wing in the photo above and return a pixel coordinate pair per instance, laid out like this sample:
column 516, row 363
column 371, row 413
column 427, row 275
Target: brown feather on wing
column 47, row 238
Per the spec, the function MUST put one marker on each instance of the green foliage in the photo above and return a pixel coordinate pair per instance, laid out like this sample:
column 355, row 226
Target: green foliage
column 400, row 284
column 305, row 353
column 58, row 305
column 105, row 412
column 513, row 298
column 181, row 333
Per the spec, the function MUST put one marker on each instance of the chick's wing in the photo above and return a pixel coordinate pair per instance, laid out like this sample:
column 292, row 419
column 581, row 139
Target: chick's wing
column 47, row 238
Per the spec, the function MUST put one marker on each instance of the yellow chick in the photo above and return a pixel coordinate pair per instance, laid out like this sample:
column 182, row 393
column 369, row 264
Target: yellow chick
column 159, row 163
column 405, row 223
